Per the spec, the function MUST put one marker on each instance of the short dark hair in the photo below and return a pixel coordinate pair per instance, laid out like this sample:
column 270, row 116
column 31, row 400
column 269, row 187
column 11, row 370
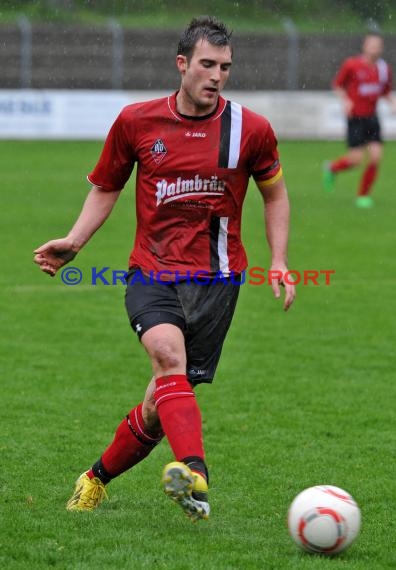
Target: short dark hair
column 203, row 28
column 373, row 33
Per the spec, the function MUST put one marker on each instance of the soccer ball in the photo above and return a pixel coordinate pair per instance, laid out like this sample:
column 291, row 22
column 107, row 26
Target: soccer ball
column 324, row 519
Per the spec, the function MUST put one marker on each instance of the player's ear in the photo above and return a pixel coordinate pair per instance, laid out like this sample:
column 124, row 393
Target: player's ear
column 181, row 63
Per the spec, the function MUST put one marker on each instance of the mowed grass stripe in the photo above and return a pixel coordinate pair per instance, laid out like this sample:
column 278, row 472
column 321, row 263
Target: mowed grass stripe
column 301, row 398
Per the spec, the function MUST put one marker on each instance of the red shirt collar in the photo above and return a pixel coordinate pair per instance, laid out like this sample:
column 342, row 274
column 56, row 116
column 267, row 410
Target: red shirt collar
column 211, row 117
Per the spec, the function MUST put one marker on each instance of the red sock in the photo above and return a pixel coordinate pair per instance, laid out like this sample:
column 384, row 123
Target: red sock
column 340, row 164
column 367, row 180
column 131, row 443
column 180, row 415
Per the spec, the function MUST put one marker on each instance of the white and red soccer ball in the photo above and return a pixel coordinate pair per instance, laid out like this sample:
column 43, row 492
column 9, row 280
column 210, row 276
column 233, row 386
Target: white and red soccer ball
column 324, row 519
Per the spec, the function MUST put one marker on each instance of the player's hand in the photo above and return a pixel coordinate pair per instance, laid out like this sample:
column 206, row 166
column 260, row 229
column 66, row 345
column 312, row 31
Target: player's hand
column 52, row 255
column 278, row 282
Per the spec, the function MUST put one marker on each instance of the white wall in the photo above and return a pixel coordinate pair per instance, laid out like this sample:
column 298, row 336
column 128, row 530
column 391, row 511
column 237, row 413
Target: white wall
column 50, row 114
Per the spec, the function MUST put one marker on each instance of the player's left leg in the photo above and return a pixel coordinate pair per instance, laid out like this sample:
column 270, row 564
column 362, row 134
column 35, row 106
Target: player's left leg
column 374, row 152
column 180, row 416
column 188, row 488
column 157, row 316
column 208, row 310
column 374, row 148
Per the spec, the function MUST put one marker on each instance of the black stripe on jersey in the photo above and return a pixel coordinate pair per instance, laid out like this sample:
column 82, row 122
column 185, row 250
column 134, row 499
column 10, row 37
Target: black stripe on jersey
column 214, row 229
column 266, row 170
column 225, row 135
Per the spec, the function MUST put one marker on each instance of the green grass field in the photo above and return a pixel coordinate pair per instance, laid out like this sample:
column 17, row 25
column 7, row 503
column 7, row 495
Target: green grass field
column 302, row 398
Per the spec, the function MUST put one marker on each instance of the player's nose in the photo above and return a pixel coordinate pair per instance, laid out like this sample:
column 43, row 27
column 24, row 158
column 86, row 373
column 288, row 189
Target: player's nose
column 216, row 74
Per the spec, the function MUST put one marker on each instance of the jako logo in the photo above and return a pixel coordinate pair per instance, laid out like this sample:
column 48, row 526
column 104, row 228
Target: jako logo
column 169, row 191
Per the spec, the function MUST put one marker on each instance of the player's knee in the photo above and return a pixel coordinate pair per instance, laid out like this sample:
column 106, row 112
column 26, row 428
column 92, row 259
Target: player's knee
column 165, row 356
column 375, row 160
column 356, row 159
column 375, row 153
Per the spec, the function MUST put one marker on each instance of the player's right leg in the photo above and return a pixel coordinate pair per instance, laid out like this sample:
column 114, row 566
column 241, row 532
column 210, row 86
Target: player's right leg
column 135, row 438
column 351, row 159
column 356, row 140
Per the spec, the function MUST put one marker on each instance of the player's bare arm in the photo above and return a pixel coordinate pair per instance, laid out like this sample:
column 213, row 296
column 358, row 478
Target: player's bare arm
column 391, row 100
column 347, row 103
column 98, row 205
column 277, row 214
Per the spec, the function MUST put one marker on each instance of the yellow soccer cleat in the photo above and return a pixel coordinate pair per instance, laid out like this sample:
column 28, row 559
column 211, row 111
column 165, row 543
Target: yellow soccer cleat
column 88, row 494
column 188, row 489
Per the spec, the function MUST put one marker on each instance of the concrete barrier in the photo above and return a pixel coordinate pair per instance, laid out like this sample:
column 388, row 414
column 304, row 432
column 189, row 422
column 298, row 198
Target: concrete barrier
column 88, row 115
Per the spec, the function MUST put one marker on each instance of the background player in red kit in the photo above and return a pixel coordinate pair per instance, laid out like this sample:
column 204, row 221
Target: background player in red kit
column 360, row 82
column 195, row 152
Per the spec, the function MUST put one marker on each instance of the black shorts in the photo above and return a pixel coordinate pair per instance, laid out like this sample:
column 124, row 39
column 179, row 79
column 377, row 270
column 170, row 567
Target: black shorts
column 363, row 130
column 202, row 311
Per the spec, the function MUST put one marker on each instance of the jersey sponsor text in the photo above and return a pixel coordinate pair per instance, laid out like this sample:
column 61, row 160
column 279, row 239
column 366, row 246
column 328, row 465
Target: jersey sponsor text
column 169, row 191
column 370, row 89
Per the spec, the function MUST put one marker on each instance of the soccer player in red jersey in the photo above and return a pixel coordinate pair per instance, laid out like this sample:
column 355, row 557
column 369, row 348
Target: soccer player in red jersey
column 195, row 152
column 359, row 83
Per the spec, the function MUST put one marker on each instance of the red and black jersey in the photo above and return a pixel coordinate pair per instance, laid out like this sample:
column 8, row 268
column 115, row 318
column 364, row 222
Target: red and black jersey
column 364, row 83
column 192, row 177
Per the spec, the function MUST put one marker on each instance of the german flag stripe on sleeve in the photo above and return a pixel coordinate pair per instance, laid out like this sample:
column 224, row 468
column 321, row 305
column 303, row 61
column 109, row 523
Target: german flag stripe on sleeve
column 269, row 181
